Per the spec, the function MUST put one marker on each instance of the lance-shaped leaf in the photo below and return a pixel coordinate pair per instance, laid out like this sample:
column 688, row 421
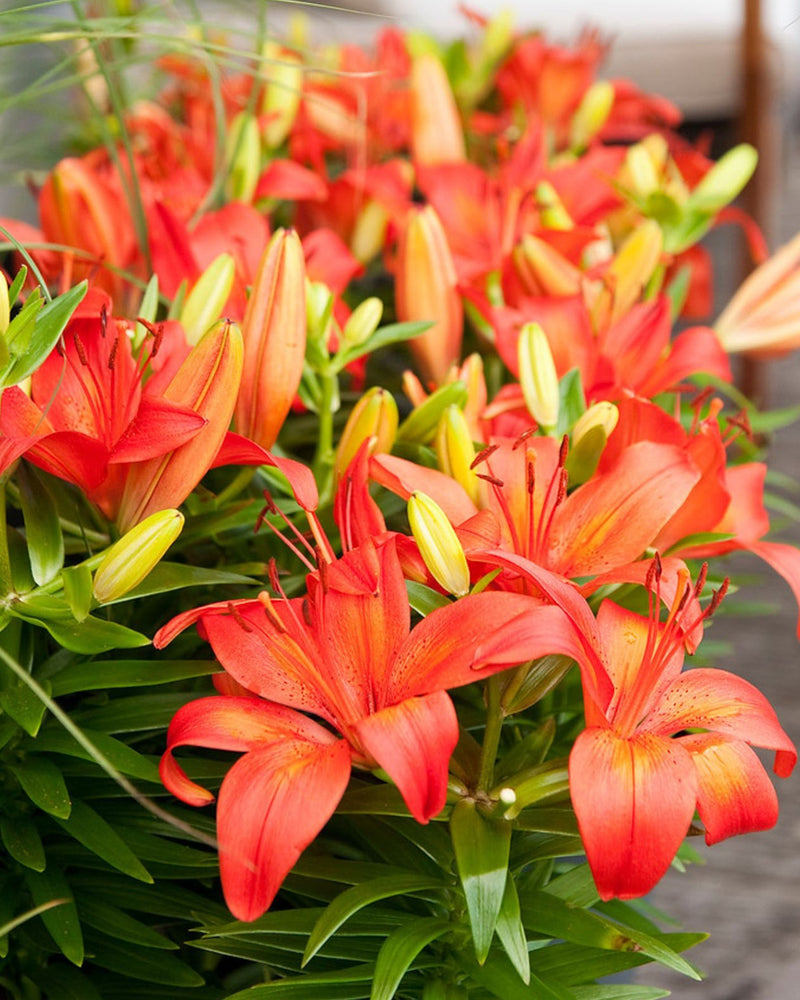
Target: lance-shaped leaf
column 481, row 847
column 399, row 951
column 42, row 527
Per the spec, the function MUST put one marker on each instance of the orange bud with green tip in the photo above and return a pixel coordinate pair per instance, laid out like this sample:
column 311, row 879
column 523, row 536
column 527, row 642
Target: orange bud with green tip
column 426, row 289
column 206, row 382
column 128, row 561
column 274, row 334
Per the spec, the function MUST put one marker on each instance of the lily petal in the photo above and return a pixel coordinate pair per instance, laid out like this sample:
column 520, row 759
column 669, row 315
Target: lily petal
column 272, row 804
column 413, row 742
column 734, row 792
column 634, row 799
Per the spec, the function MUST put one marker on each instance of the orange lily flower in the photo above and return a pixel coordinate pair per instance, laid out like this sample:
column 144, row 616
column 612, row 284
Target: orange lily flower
column 635, row 782
column 347, row 654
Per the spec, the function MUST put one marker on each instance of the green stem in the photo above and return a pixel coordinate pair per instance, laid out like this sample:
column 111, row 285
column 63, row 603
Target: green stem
column 240, row 482
column 6, row 580
column 491, row 734
column 324, row 457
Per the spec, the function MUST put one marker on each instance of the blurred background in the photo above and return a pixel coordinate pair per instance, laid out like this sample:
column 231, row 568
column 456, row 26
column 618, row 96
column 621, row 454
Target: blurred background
column 733, row 67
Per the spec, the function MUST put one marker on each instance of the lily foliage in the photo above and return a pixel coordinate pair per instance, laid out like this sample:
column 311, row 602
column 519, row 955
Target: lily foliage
column 368, row 468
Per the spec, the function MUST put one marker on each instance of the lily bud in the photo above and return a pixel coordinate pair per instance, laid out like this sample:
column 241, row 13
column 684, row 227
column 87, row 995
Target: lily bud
column 438, row 544
column 373, row 417
column 456, row 452
column 725, row 179
column 243, row 157
column 283, row 70
column 426, row 289
column 628, row 273
column 592, row 114
column 363, row 321
column 537, row 375
column 319, row 305
column 552, row 213
column 589, row 437
column 436, row 132
column 471, row 374
column 274, row 334
column 642, row 170
column 543, row 270
column 130, row 559
column 204, row 304
column 369, row 231
column 207, row 382
column 763, row 318
column 5, row 305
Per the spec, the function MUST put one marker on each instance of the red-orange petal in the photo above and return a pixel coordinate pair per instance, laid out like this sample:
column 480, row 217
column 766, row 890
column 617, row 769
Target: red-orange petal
column 734, row 792
column 413, row 742
column 634, row 799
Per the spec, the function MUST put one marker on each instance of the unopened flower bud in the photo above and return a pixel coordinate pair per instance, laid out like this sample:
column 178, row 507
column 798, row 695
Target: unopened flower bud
column 456, row 452
column 725, row 179
column 589, row 437
column 644, row 178
column 426, row 289
column 130, row 559
column 373, row 417
column 5, row 306
column 628, row 273
column 438, row 544
column 363, row 321
column 543, row 270
column 369, row 231
column 204, row 304
column 283, row 70
column 537, row 375
column 243, row 156
column 552, row 213
column 592, row 113
column 319, row 304
column 436, row 132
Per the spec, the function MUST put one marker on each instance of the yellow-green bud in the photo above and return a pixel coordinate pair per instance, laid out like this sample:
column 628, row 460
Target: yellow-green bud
column 5, row 306
column 537, row 376
column 130, row 559
column 319, row 302
column 642, row 170
column 374, row 416
column 552, row 213
column 369, row 231
column 363, row 321
column 243, row 156
column 284, row 87
column 204, row 304
column 456, row 452
column 589, row 437
column 592, row 114
column 438, row 544
column 725, row 179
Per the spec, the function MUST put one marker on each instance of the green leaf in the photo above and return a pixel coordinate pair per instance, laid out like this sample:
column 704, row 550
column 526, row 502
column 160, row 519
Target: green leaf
column 48, row 326
column 571, row 401
column 359, row 896
column 394, row 333
column 375, row 800
column 61, row 921
column 619, row 993
column 22, row 704
column 93, row 635
column 140, row 963
column 44, row 785
column 342, row 984
column 66, row 983
column 481, row 847
column 420, row 425
column 136, row 714
column 117, row 924
column 398, row 952
column 512, row 933
column 99, row 675
column 575, row 964
column 547, row 914
column 42, row 526
column 22, row 841
column 499, row 977
column 168, row 576
column 424, row 599
column 77, row 582
column 91, row 830
column 120, row 755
